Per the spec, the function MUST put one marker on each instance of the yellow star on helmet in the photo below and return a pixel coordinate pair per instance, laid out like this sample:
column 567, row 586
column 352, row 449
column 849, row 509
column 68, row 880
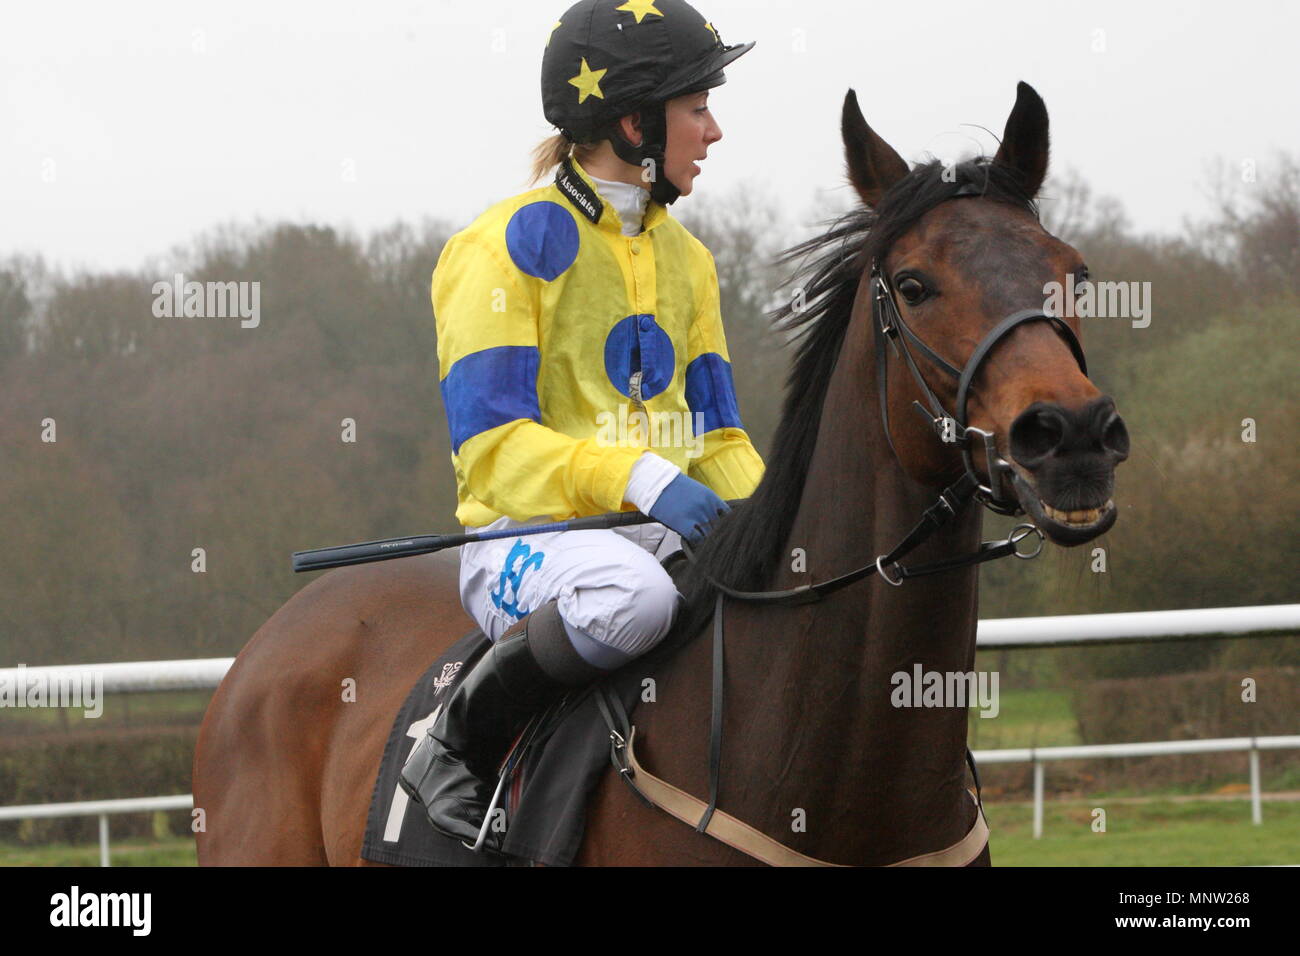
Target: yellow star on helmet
column 709, row 27
column 588, row 81
column 553, row 29
column 639, row 8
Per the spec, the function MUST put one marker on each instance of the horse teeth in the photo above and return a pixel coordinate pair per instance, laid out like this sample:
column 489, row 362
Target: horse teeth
column 1081, row 517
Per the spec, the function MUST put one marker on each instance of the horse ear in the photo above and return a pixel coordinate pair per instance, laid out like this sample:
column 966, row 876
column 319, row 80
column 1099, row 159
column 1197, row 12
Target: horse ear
column 1024, row 141
column 873, row 164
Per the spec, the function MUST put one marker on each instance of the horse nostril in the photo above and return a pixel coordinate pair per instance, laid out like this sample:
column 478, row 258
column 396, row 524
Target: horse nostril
column 1036, row 433
column 1114, row 437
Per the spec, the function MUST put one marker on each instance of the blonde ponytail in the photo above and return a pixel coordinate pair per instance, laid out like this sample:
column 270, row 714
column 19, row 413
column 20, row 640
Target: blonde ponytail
column 548, row 154
column 555, row 149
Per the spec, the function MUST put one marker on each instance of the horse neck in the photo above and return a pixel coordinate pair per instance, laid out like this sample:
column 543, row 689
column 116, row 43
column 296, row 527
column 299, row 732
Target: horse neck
column 842, row 744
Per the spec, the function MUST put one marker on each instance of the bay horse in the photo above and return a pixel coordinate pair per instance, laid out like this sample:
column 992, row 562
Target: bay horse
column 814, row 753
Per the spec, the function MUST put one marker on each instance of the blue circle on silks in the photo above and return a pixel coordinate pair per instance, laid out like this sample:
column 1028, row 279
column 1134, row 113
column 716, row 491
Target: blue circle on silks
column 542, row 239
column 637, row 342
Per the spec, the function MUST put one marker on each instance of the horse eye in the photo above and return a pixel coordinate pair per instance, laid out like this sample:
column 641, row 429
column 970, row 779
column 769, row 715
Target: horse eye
column 911, row 289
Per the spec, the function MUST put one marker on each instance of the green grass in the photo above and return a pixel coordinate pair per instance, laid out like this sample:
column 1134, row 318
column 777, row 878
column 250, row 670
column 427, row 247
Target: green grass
column 172, row 851
column 1272, row 780
column 1026, row 718
column 1155, row 834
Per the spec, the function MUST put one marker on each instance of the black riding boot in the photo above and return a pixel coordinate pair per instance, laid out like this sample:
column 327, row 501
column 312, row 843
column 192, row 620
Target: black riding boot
column 454, row 770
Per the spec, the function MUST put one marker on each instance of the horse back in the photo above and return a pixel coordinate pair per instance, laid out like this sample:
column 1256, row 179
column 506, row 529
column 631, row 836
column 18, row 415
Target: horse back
column 290, row 746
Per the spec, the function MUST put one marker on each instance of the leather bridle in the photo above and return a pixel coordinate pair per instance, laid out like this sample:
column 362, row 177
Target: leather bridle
column 890, row 327
column 888, row 323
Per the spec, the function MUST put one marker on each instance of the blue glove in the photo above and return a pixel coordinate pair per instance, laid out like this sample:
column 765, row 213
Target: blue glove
column 687, row 507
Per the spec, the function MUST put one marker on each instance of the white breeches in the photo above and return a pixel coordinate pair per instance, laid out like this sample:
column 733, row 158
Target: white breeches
column 616, row 599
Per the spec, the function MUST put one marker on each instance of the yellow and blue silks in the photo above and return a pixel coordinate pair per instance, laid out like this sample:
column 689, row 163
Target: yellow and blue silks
column 545, row 314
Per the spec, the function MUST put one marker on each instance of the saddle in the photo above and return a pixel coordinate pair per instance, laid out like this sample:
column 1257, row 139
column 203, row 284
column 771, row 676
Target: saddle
column 552, row 771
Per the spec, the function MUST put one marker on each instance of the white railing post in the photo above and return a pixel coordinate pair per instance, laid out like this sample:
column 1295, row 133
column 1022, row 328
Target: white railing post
column 103, row 839
column 1256, row 811
column 1038, row 798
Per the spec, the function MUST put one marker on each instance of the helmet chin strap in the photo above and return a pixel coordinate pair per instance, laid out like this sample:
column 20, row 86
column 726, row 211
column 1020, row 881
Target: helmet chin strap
column 654, row 140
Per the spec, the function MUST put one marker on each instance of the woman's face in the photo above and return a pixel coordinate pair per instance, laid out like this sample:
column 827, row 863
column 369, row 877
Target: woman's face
column 691, row 131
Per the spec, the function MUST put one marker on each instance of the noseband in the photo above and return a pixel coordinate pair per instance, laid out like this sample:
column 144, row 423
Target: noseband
column 952, row 429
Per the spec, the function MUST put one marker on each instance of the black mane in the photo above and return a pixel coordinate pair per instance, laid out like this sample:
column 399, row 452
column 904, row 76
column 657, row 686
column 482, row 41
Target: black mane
column 744, row 547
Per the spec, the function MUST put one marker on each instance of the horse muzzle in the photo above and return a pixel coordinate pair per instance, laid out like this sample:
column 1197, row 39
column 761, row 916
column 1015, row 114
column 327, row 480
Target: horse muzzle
column 1063, row 467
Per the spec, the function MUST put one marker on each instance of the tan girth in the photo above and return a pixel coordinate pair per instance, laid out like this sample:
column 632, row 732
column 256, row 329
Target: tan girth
column 743, row 837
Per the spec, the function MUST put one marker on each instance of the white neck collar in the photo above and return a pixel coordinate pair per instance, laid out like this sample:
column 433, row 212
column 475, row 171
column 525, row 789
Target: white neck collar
column 628, row 200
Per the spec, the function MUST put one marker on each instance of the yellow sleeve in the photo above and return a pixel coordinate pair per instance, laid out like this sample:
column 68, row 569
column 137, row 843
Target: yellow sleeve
column 486, row 314
column 729, row 464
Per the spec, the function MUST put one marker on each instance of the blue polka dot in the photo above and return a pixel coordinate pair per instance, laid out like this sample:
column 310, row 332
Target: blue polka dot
column 637, row 342
column 542, row 239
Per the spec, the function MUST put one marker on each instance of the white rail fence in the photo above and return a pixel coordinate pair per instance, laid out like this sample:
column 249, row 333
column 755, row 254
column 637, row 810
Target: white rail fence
column 98, row 808
column 1005, row 633
column 1039, row 756
column 1071, row 630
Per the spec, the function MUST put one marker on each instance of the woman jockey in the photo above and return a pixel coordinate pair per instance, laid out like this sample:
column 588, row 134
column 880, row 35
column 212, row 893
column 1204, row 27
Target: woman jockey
column 561, row 312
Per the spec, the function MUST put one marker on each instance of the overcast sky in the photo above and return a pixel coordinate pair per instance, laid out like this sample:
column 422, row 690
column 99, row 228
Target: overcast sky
column 131, row 127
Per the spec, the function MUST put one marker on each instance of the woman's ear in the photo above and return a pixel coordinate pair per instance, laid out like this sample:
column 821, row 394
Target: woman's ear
column 630, row 127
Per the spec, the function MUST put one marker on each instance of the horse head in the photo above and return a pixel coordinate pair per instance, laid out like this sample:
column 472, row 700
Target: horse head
column 960, row 271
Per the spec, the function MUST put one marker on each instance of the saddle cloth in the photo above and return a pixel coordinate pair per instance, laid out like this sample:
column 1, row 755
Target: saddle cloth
column 546, row 802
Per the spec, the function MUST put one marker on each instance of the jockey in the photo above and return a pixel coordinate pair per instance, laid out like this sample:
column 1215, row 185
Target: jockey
column 578, row 327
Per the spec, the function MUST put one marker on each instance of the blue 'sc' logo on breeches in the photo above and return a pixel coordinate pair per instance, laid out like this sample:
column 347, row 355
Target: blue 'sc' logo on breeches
column 514, row 577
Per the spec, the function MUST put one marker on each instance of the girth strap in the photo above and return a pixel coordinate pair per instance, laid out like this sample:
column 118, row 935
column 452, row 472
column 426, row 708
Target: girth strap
column 741, row 836
column 706, row 818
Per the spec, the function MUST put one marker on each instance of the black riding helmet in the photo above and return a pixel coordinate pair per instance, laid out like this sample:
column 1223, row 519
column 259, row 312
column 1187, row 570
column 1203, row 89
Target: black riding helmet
column 608, row 58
